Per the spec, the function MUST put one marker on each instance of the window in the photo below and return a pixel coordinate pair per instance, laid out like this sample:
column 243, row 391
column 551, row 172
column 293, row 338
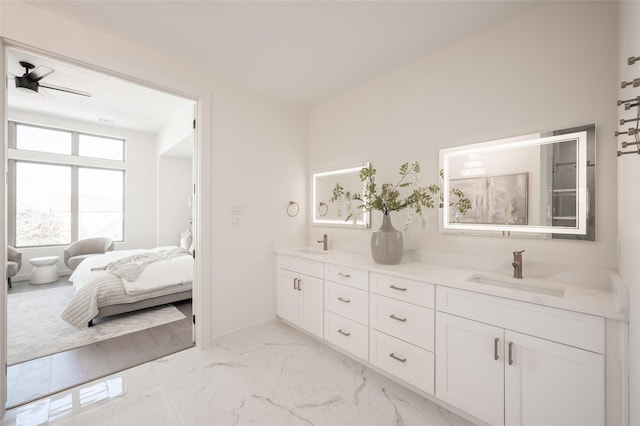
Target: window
column 62, row 198
column 43, row 204
column 99, row 147
column 42, row 139
column 100, row 211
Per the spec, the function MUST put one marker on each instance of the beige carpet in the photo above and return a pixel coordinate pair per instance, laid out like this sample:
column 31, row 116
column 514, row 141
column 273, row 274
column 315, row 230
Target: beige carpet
column 35, row 329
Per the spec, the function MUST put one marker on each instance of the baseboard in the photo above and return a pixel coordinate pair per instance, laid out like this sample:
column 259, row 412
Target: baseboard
column 27, row 277
column 244, row 327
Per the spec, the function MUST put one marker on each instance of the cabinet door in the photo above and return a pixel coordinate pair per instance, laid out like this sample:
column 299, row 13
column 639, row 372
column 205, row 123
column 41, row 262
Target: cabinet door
column 288, row 302
column 468, row 375
column 312, row 304
column 547, row 383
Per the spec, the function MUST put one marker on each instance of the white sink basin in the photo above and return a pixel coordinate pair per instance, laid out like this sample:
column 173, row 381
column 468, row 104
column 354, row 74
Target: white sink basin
column 530, row 286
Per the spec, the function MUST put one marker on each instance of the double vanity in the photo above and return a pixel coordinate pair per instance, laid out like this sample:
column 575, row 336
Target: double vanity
column 544, row 350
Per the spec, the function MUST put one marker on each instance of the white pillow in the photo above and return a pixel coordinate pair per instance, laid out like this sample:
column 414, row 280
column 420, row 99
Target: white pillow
column 186, row 238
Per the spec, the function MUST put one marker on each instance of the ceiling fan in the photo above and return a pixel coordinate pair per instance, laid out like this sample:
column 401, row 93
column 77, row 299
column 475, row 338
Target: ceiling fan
column 30, row 80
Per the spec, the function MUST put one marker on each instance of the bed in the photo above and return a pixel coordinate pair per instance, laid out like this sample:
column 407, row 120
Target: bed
column 128, row 280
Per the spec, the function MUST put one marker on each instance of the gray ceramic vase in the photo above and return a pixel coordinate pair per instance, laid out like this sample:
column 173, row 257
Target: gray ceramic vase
column 387, row 246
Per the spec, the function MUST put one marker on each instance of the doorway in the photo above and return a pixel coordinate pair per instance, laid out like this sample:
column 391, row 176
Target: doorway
column 23, row 115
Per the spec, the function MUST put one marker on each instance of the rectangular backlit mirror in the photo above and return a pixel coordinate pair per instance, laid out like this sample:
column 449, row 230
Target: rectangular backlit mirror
column 540, row 183
column 333, row 214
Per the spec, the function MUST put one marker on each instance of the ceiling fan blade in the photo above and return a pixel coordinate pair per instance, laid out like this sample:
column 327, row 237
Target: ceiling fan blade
column 45, row 93
column 40, row 72
column 66, row 89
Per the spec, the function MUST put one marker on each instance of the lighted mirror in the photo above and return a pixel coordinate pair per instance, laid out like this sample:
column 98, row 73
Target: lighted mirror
column 326, row 212
column 534, row 184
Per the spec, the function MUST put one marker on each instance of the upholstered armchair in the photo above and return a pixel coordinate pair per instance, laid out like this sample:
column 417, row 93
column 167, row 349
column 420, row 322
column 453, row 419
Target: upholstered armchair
column 14, row 263
column 78, row 251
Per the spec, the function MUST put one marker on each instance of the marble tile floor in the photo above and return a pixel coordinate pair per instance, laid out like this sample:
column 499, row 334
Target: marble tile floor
column 268, row 374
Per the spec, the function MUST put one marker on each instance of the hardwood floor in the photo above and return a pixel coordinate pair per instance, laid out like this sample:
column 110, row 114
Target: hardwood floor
column 37, row 378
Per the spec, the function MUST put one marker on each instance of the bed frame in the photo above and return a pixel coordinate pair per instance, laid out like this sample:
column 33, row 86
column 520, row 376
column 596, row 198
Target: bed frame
column 122, row 308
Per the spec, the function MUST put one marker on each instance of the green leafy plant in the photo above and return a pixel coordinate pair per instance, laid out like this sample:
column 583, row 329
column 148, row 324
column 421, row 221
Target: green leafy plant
column 407, row 193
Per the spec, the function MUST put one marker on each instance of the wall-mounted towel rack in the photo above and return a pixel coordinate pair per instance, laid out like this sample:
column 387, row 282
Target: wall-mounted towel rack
column 629, row 104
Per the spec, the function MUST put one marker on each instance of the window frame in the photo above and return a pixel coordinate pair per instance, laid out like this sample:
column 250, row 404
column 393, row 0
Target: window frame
column 74, row 161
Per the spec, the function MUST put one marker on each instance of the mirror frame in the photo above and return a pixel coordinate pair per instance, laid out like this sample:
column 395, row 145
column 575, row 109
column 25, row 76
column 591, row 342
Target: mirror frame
column 514, row 143
column 362, row 221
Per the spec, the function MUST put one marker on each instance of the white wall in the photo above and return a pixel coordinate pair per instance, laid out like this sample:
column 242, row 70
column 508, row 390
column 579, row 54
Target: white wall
column 179, row 128
column 175, row 176
column 257, row 157
column 175, row 187
column 140, row 186
column 258, row 166
column 550, row 68
column 629, row 198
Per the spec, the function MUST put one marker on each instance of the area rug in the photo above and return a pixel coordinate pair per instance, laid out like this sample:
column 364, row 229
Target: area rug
column 35, row 329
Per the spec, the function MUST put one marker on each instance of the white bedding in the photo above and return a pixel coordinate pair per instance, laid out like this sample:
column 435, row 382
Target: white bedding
column 98, row 288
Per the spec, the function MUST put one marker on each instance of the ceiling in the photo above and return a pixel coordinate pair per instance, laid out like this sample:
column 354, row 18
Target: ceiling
column 114, row 102
column 301, row 52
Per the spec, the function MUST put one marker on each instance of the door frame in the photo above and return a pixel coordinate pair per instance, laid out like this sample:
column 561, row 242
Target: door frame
column 202, row 197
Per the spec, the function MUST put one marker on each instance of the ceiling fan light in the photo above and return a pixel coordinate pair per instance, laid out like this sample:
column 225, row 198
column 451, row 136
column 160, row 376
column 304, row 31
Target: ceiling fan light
column 25, row 85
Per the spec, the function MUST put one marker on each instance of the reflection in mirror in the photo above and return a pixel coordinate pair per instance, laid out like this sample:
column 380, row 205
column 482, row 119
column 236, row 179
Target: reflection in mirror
column 540, row 183
column 333, row 214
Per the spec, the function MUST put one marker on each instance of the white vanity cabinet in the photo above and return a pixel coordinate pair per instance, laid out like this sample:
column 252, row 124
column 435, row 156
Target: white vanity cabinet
column 402, row 329
column 346, row 304
column 515, row 363
column 490, row 357
column 300, row 293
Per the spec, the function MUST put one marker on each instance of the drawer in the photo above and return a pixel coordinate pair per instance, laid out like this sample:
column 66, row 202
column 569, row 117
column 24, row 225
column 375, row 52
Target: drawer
column 417, row 292
column 348, row 276
column 567, row 327
column 405, row 361
column 300, row 265
column 346, row 334
column 347, row 301
column 411, row 323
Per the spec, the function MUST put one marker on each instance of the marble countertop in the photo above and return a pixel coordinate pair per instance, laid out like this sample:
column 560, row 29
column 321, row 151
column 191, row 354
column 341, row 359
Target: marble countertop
column 595, row 291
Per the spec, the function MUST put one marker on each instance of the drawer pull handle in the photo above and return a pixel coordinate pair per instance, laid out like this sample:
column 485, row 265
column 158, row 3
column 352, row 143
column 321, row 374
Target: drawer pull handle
column 495, row 348
column 510, row 353
column 295, row 283
column 398, row 288
column 299, row 284
column 397, row 358
column 392, row 316
column 344, row 275
column 344, row 333
column 344, row 300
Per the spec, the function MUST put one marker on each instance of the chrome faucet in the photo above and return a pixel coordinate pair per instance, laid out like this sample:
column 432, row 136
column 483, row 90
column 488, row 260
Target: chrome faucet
column 517, row 264
column 324, row 241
